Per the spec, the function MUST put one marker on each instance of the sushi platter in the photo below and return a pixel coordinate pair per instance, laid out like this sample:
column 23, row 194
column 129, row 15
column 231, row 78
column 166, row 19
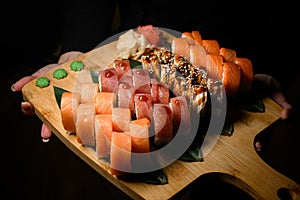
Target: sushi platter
column 233, row 158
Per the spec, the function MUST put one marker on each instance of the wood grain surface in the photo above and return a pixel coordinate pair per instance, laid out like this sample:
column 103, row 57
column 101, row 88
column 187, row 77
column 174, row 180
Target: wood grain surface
column 233, row 158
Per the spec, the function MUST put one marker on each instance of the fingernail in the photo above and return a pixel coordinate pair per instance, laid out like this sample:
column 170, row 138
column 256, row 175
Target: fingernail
column 13, row 88
column 45, row 140
column 25, row 106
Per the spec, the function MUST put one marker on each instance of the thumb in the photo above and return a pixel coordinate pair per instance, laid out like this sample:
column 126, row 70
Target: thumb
column 45, row 133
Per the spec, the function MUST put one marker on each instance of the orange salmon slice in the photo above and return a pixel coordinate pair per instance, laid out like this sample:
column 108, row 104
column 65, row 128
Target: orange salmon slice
column 231, row 78
column 88, row 92
column 85, row 124
column 69, row 104
column 139, row 131
column 198, row 55
column 214, row 66
column 104, row 103
column 246, row 68
column 103, row 134
column 120, row 153
column 189, row 37
column 229, row 55
column 197, row 37
column 121, row 118
column 211, row 46
column 181, row 46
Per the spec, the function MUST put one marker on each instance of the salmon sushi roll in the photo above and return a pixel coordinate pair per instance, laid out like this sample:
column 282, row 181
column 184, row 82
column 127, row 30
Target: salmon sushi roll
column 127, row 78
column 85, row 124
column 141, row 80
column 88, row 92
column 126, row 96
column 121, row 118
column 122, row 66
column 120, row 153
column 108, row 80
column 160, row 92
column 143, row 106
column 163, row 127
column 68, row 105
column 103, row 134
column 104, row 103
column 139, row 131
column 180, row 115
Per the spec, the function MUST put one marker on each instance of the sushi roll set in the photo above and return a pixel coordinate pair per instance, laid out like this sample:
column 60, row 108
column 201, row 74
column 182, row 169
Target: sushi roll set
column 141, row 109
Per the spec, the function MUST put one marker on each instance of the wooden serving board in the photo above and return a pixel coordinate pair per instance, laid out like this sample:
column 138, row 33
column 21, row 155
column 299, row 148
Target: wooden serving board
column 233, row 158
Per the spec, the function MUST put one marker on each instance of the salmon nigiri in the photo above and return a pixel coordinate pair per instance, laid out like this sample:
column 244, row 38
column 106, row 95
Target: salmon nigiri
column 247, row 75
column 211, row 46
column 197, row 37
column 181, row 46
column 231, row 79
column 198, row 55
column 229, row 55
column 214, row 65
column 189, row 37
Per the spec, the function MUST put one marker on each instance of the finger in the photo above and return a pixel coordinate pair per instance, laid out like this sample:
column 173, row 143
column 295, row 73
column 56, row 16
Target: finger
column 258, row 146
column 286, row 112
column 17, row 86
column 45, row 133
column 45, row 69
column 68, row 56
column 27, row 108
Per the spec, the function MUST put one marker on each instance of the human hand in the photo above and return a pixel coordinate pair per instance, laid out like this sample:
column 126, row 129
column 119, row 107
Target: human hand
column 276, row 94
column 26, row 107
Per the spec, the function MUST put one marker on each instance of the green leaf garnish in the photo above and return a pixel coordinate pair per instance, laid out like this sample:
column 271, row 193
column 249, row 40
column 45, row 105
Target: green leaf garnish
column 158, row 177
column 135, row 64
column 193, row 154
column 254, row 106
column 95, row 76
column 58, row 93
column 227, row 129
